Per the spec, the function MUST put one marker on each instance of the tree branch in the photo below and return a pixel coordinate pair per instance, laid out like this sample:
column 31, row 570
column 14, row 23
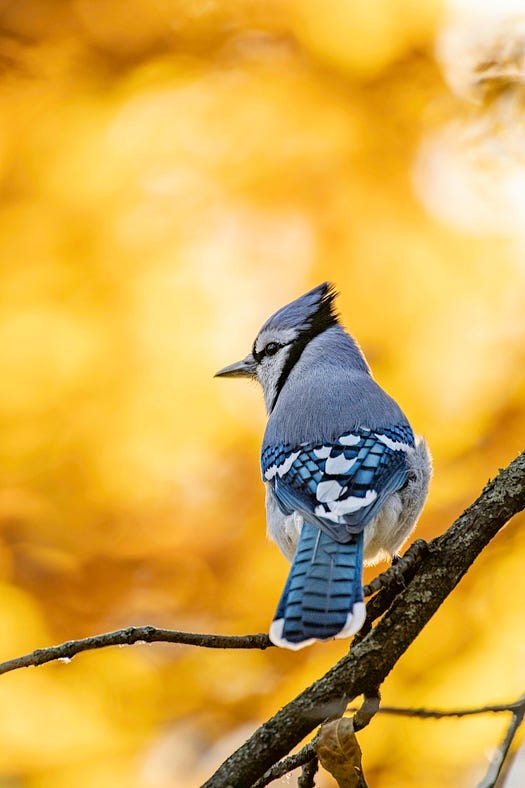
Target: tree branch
column 371, row 660
column 306, row 755
column 515, row 707
column 129, row 636
column 301, row 758
column 411, row 592
column 309, row 770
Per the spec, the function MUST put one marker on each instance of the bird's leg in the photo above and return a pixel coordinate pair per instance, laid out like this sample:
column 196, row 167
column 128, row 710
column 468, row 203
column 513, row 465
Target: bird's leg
column 396, row 574
column 413, row 555
column 402, row 564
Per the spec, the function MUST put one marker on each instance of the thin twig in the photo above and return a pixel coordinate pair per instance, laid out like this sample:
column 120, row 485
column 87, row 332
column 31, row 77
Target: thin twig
column 129, row 636
column 498, row 759
column 150, row 634
column 369, row 708
column 437, row 714
column 307, row 778
column 288, row 764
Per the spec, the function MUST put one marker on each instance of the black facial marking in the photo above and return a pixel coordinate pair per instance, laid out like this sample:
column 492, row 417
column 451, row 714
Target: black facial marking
column 269, row 349
column 323, row 318
column 272, row 348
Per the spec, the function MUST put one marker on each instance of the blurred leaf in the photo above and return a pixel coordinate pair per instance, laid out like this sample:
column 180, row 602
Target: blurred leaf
column 339, row 753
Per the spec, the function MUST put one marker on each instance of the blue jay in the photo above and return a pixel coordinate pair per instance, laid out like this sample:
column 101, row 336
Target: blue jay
column 345, row 477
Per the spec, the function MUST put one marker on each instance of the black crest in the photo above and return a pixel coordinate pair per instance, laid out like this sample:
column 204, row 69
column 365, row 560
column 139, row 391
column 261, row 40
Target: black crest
column 318, row 312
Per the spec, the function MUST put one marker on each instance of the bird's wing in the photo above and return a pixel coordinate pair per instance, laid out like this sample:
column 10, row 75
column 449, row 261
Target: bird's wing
column 342, row 484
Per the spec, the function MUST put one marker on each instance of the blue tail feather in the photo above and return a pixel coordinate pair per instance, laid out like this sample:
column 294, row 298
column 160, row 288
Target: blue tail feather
column 323, row 595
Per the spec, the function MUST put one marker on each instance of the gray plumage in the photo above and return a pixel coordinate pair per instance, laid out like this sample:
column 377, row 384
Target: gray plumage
column 339, row 454
column 333, row 390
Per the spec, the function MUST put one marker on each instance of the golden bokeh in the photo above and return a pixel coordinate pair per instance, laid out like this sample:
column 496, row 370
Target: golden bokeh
column 172, row 172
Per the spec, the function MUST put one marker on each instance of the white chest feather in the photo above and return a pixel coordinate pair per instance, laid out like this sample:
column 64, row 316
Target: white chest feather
column 282, row 529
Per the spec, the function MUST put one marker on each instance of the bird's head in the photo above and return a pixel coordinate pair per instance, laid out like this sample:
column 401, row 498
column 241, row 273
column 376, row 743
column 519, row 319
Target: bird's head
column 282, row 339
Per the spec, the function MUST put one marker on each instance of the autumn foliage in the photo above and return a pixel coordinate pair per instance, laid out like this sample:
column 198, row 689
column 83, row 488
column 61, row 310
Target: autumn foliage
column 172, row 172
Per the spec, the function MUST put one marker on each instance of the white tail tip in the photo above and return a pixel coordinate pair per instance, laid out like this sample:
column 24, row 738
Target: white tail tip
column 276, row 636
column 354, row 622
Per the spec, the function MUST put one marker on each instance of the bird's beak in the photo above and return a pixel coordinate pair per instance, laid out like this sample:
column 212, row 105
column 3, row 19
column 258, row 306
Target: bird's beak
column 241, row 369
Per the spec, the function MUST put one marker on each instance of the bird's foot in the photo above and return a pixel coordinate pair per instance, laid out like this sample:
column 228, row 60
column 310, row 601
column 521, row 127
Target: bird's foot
column 401, row 565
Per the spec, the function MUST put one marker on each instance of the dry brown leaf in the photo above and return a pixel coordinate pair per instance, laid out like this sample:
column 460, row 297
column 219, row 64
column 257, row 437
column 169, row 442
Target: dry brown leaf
column 339, row 753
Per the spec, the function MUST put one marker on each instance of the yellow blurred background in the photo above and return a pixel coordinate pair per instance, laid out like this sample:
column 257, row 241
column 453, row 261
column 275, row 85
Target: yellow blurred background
column 171, row 173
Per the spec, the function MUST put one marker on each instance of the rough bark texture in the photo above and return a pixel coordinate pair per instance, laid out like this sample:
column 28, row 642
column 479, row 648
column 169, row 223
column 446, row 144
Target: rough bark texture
column 371, row 659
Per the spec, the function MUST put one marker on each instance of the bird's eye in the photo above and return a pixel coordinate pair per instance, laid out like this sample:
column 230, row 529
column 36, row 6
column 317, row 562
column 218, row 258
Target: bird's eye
column 271, row 348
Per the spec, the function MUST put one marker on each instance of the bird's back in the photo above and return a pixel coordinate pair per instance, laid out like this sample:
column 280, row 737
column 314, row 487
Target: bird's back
column 328, row 392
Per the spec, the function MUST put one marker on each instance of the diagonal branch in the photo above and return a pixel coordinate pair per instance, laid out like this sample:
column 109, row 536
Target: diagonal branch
column 305, row 756
column 371, row 660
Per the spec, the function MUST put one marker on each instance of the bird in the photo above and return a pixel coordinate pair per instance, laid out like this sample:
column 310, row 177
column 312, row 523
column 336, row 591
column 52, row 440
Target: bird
column 345, row 476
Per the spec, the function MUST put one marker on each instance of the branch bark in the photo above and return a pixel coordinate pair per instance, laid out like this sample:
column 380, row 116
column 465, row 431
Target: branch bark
column 307, row 754
column 129, row 636
column 369, row 662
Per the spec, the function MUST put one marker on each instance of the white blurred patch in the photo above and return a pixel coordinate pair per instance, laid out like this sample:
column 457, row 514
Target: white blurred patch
column 475, row 50
column 515, row 777
column 471, row 172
